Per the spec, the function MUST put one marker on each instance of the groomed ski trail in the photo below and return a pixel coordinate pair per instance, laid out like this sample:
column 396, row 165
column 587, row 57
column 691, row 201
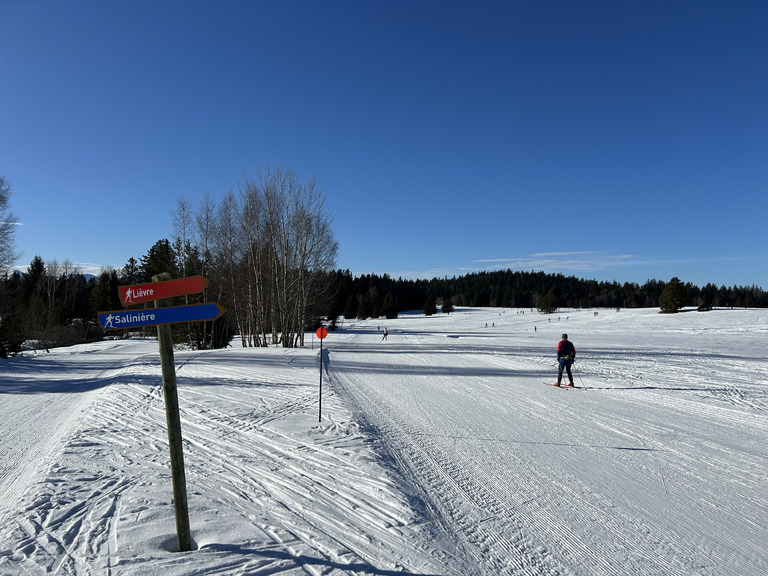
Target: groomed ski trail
column 532, row 481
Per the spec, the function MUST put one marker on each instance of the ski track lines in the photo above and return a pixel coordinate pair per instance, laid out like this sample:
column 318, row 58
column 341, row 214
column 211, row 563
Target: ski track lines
column 307, row 488
column 527, row 501
column 294, row 507
column 25, row 398
column 41, row 406
column 460, row 494
column 459, row 460
column 40, row 423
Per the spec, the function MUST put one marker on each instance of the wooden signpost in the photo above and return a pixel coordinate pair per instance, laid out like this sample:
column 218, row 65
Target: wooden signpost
column 162, row 287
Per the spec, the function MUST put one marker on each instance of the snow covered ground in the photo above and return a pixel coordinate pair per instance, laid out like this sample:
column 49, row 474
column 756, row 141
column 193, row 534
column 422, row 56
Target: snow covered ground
column 440, row 451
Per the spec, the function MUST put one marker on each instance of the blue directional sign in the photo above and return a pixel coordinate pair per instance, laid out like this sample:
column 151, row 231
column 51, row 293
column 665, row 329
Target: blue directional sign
column 121, row 319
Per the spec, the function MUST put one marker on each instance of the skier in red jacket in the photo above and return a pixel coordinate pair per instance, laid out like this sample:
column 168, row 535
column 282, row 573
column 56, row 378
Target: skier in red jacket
column 566, row 354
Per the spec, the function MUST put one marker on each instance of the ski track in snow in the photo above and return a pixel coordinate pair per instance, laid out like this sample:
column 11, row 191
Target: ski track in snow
column 271, row 490
column 440, row 451
column 627, row 477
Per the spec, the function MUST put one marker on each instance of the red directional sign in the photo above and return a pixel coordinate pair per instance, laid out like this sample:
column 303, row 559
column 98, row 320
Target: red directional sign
column 139, row 293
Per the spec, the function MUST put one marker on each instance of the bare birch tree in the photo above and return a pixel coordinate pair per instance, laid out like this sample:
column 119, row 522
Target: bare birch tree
column 302, row 246
column 182, row 229
column 251, row 223
column 205, row 220
column 271, row 246
column 228, row 254
column 8, row 225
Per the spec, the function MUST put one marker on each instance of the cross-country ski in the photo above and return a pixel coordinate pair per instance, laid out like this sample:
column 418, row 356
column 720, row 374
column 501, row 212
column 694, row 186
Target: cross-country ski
column 568, row 386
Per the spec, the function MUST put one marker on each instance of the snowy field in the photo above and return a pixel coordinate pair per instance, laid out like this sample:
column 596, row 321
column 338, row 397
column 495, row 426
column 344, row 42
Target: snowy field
column 441, row 451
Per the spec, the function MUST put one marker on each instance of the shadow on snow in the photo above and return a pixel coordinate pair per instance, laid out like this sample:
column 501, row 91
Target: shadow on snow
column 305, row 561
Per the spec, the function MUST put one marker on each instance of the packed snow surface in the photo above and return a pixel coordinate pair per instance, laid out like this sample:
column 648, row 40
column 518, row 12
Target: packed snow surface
column 439, row 450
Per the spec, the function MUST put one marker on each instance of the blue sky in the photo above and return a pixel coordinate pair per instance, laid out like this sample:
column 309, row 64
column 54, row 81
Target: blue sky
column 610, row 140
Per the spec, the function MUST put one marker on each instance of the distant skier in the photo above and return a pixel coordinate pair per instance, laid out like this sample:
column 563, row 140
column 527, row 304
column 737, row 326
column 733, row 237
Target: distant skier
column 566, row 354
column 385, row 334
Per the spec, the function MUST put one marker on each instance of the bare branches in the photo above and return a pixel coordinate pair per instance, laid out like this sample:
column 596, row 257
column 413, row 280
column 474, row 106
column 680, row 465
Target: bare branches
column 269, row 244
column 8, row 225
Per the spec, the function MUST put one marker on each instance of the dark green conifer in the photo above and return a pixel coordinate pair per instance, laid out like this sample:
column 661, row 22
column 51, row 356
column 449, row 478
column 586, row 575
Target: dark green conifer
column 430, row 308
column 673, row 297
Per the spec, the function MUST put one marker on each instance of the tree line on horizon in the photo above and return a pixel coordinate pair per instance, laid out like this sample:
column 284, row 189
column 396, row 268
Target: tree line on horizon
column 269, row 253
column 54, row 304
column 370, row 295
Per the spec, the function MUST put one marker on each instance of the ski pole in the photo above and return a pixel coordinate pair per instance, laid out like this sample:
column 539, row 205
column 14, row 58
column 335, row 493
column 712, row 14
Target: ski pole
column 579, row 375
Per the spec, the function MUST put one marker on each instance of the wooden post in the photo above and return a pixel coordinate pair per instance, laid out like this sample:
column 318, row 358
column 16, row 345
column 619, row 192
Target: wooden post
column 165, row 343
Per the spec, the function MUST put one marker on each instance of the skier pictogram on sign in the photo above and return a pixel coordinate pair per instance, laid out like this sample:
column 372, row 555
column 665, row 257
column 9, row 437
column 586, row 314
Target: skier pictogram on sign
column 138, row 293
column 122, row 319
